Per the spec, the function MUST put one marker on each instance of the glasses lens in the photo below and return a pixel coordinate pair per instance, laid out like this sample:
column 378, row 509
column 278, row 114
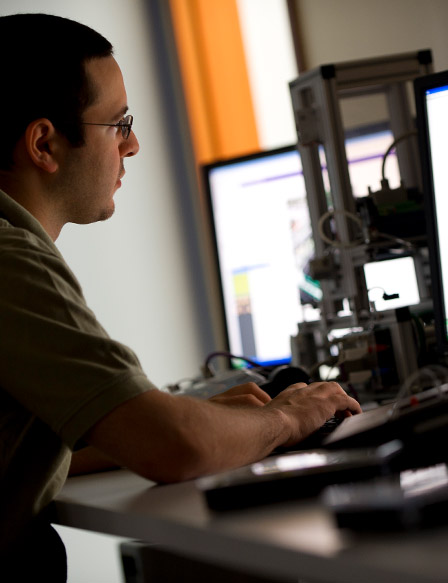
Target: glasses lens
column 127, row 126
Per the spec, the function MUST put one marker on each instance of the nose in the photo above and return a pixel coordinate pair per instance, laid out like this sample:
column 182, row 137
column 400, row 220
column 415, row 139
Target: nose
column 130, row 147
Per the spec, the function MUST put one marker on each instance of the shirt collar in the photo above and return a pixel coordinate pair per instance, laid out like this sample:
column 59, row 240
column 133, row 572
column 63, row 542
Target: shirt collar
column 18, row 216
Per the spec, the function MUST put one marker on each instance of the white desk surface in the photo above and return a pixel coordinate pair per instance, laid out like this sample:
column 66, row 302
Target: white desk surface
column 285, row 541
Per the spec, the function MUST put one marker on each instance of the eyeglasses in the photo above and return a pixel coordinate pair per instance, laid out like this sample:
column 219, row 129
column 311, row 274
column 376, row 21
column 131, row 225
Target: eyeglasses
column 125, row 124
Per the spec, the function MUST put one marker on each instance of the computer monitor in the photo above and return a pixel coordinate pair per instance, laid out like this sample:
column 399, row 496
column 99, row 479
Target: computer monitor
column 263, row 240
column 431, row 97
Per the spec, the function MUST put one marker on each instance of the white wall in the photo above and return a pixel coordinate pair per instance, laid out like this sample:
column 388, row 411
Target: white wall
column 341, row 30
column 271, row 64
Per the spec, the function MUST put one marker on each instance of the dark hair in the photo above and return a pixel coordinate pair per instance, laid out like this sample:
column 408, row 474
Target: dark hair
column 42, row 74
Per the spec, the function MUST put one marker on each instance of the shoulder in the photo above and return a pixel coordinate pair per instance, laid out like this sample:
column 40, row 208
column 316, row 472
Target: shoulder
column 28, row 261
column 17, row 241
column 10, row 233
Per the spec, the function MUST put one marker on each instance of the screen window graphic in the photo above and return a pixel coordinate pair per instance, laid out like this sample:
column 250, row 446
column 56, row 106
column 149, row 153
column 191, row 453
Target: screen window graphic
column 264, row 241
column 244, row 311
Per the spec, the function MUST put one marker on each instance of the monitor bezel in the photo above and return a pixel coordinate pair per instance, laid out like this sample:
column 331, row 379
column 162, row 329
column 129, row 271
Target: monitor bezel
column 206, row 170
column 421, row 86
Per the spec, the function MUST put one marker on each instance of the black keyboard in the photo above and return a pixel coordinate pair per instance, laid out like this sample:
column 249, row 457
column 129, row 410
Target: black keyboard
column 315, row 440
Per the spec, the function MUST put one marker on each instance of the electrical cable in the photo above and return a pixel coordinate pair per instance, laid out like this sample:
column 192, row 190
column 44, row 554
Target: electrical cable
column 206, row 366
column 429, row 371
column 332, row 242
column 391, row 147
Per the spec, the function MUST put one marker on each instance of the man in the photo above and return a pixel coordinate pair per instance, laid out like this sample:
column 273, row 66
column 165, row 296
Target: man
column 63, row 381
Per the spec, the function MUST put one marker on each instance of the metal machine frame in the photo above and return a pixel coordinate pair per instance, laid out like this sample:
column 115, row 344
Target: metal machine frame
column 315, row 99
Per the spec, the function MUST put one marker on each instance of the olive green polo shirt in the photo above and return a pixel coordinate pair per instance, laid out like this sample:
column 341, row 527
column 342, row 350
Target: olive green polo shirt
column 60, row 372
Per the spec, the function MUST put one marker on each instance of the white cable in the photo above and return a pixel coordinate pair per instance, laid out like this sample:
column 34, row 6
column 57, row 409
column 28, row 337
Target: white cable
column 391, row 147
column 332, row 242
column 430, row 371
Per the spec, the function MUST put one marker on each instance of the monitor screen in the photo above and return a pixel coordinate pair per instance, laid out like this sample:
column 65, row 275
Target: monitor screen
column 392, row 283
column 262, row 232
column 431, row 96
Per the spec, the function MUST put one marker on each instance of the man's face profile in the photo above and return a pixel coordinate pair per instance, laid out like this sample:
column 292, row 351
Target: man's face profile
column 91, row 174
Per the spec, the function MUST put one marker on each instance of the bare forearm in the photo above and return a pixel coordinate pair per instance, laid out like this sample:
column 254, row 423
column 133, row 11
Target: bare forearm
column 167, row 438
column 88, row 460
column 236, row 436
column 170, row 438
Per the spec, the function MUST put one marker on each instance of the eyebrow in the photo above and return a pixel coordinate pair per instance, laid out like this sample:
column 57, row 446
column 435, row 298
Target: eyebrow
column 121, row 113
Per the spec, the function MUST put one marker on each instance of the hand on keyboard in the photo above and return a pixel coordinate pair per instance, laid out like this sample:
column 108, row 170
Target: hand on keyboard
column 307, row 407
column 315, row 440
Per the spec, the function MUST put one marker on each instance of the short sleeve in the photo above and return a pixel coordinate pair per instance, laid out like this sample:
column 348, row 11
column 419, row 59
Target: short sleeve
column 56, row 359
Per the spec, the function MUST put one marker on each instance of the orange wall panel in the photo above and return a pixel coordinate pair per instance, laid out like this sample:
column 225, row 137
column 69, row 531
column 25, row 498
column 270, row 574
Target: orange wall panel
column 215, row 78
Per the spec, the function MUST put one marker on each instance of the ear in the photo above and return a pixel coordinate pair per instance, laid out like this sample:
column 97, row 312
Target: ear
column 41, row 141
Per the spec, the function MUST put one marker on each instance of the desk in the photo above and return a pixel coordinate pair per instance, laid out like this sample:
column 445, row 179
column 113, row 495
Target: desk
column 288, row 542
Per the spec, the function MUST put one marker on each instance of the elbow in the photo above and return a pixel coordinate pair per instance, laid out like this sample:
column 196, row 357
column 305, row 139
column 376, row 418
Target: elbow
column 185, row 460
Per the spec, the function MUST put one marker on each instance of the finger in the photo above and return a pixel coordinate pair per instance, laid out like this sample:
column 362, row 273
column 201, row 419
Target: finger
column 262, row 395
column 355, row 407
column 295, row 387
column 249, row 389
column 329, row 387
column 333, row 389
column 343, row 414
column 348, row 406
